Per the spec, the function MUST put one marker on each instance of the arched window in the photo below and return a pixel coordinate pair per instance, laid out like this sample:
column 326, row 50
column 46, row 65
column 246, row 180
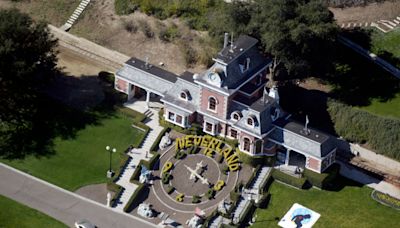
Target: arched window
column 212, row 104
column 236, row 115
column 184, row 95
column 246, row 144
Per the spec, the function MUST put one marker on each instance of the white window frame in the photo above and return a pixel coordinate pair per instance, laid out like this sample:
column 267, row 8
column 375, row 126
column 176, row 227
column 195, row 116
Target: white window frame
column 236, row 113
column 212, row 128
column 242, row 145
column 230, row 133
column 252, row 119
column 182, row 124
column 216, row 104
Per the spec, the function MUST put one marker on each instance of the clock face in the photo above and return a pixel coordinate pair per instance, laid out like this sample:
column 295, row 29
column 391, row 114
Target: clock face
column 214, row 78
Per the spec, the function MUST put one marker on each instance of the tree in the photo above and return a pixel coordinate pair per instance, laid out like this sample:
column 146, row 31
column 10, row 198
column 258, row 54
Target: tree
column 27, row 59
column 298, row 33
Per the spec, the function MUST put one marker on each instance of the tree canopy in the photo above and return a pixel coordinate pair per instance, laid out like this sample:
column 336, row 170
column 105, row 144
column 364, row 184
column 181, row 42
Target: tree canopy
column 27, row 59
column 299, row 33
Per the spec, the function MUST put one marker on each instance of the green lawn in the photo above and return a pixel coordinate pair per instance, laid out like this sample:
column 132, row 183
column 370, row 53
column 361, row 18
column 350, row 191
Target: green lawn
column 389, row 108
column 83, row 159
column 16, row 215
column 352, row 206
column 389, row 42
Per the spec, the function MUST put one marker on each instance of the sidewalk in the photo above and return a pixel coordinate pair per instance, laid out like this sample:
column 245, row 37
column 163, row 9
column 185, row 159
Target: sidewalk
column 354, row 174
column 61, row 204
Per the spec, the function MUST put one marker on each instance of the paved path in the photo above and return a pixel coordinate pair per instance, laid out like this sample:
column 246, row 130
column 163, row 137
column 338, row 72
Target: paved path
column 353, row 173
column 61, row 204
column 137, row 154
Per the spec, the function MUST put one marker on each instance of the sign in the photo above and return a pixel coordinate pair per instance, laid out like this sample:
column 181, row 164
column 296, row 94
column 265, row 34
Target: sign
column 212, row 145
column 299, row 216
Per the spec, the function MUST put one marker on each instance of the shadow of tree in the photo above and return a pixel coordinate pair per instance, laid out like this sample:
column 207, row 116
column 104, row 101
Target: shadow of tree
column 67, row 105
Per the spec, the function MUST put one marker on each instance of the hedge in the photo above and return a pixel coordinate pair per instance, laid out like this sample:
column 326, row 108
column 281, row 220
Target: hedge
column 264, row 201
column 290, row 180
column 247, row 214
column 148, row 164
column 386, row 199
column 156, row 143
column 382, row 134
column 253, row 176
column 322, row 180
column 252, row 160
column 139, row 190
column 123, row 163
column 113, row 187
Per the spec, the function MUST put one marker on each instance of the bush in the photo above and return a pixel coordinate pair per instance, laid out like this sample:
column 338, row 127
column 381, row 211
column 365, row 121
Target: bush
column 210, row 193
column 234, row 196
column 130, row 26
column 146, row 29
column 169, row 34
column 180, row 155
column 253, row 176
column 166, row 178
column 189, row 54
column 290, row 180
column 170, row 189
column 107, row 77
column 251, row 160
column 156, row 143
column 264, row 201
column 123, row 7
column 139, row 190
column 196, row 199
column 382, row 134
column 322, row 180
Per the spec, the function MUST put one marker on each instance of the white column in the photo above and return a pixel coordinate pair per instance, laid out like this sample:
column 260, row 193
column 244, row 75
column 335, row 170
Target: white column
column 147, row 98
column 287, row 157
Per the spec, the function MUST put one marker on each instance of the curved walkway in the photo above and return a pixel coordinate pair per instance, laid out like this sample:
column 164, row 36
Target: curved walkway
column 59, row 203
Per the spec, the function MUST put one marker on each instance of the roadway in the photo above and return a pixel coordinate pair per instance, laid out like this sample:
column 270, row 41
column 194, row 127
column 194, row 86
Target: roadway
column 61, row 204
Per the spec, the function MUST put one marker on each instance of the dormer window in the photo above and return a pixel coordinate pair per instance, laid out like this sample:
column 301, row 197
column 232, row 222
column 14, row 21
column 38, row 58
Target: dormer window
column 236, row 115
column 184, row 95
column 212, row 104
column 245, row 65
column 251, row 121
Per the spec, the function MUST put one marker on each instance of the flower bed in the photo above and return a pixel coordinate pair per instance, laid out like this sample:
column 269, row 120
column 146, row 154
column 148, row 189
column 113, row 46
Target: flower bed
column 386, row 199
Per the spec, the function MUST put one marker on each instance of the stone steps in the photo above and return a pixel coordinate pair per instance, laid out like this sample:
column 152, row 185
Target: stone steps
column 382, row 25
column 75, row 15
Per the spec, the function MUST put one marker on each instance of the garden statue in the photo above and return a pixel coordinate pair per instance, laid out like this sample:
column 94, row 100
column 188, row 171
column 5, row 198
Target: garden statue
column 195, row 222
column 224, row 206
column 145, row 175
column 165, row 141
column 145, row 210
column 108, row 199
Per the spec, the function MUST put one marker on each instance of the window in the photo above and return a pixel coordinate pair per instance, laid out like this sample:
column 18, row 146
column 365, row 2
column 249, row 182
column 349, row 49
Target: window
column 250, row 121
column 178, row 119
column 245, row 65
column 209, row 127
column 246, row 144
column 171, row 116
column 234, row 133
column 212, row 104
column 184, row 95
column 236, row 115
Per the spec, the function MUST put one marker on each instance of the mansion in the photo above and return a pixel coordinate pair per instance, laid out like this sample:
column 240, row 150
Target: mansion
column 230, row 100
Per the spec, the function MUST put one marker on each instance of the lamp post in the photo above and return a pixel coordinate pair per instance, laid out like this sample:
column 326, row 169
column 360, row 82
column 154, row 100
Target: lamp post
column 113, row 150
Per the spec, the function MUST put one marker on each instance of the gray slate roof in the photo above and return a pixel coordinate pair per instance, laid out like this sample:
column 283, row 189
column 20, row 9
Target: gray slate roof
column 289, row 134
column 172, row 96
column 242, row 44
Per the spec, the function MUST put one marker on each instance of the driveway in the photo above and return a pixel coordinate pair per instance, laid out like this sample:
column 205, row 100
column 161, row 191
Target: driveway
column 61, row 204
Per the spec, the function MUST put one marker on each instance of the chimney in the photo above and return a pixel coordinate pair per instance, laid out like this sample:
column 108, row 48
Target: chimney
column 226, row 38
column 146, row 64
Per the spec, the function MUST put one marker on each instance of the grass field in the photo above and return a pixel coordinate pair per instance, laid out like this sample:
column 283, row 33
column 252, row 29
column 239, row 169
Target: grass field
column 390, row 108
column 83, row 159
column 352, row 206
column 16, row 215
column 389, row 42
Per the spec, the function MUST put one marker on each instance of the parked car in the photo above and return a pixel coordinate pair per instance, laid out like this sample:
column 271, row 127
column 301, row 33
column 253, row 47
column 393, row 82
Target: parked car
column 84, row 224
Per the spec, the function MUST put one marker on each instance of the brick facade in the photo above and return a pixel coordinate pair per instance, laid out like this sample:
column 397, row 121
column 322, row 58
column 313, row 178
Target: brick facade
column 205, row 95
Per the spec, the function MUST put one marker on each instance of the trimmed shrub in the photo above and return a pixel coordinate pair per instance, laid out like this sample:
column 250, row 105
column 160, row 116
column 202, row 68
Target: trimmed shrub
column 322, row 180
column 140, row 189
column 251, row 160
column 210, row 193
column 166, row 178
column 196, row 199
column 170, row 189
column 156, row 143
column 234, row 196
column 264, row 201
column 382, row 134
column 290, row 180
column 107, row 77
column 253, row 176
column 225, row 170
